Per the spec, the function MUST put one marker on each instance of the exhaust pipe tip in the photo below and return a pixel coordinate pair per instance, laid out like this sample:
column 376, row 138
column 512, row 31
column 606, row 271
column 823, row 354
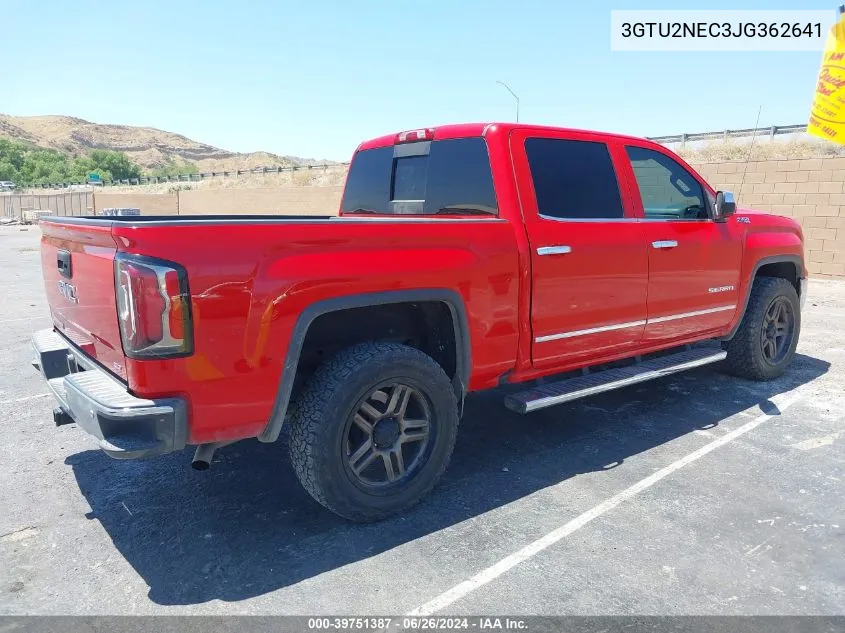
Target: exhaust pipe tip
column 204, row 453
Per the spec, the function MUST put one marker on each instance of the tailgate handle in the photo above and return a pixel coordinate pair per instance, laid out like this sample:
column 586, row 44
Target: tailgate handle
column 63, row 263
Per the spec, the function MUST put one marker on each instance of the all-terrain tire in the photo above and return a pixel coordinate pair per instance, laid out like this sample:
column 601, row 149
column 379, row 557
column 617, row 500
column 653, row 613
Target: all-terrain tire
column 746, row 357
column 322, row 413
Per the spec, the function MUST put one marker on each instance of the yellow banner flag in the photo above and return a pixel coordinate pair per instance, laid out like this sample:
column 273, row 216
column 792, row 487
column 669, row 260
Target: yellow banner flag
column 827, row 117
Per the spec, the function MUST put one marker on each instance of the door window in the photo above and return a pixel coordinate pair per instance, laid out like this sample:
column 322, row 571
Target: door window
column 668, row 191
column 573, row 179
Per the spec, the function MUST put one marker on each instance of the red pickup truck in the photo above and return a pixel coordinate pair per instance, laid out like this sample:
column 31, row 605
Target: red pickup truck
column 464, row 257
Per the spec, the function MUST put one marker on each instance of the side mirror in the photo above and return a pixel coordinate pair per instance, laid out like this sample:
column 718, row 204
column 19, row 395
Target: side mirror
column 725, row 205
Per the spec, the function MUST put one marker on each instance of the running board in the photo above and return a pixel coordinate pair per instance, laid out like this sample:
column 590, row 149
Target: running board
column 554, row 393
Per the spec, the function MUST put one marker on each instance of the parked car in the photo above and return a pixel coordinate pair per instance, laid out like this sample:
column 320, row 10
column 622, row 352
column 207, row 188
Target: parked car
column 465, row 257
column 7, row 185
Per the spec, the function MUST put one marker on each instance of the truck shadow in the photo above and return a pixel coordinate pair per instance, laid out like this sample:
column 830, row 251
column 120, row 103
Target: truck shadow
column 245, row 527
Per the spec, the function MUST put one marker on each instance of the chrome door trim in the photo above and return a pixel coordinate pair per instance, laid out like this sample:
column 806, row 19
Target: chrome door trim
column 592, row 330
column 685, row 315
column 554, row 250
column 587, row 220
column 665, row 244
column 630, row 324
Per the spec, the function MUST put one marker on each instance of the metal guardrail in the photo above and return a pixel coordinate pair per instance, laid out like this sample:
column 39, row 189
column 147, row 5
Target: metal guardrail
column 771, row 131
column 151, row 180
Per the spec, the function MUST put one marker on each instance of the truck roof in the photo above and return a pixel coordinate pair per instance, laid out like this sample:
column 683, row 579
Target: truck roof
column 463, row 130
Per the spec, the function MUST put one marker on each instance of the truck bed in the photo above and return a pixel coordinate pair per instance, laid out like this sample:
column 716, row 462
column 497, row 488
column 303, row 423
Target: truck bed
column 250, row 278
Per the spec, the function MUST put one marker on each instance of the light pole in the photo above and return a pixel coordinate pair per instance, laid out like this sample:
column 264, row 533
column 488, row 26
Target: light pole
column 508, row 88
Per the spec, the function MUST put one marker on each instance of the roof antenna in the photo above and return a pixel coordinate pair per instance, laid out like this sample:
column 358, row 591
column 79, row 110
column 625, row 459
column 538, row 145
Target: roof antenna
column 750, row 149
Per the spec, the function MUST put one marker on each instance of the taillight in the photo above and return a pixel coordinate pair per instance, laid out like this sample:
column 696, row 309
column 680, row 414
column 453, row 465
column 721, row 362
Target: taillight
column 153, row 307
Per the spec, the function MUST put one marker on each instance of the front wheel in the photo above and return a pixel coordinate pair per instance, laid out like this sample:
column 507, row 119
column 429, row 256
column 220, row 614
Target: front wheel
column 373, row 430
column 764, row 344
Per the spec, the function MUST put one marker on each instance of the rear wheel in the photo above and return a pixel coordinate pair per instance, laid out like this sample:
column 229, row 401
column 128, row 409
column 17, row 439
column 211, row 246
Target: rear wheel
column 765, row 342
column 373, row 430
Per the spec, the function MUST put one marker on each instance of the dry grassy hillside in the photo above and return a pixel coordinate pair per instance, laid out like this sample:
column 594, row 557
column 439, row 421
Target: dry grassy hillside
column 146, row 146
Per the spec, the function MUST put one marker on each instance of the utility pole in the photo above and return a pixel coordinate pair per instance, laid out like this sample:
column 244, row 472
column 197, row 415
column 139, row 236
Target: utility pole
column 508, row 88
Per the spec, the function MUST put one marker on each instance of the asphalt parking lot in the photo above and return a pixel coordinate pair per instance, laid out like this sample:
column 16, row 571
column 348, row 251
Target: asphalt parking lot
column 696, row 494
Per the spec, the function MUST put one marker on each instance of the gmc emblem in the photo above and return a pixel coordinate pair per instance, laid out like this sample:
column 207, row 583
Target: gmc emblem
column 68, row 291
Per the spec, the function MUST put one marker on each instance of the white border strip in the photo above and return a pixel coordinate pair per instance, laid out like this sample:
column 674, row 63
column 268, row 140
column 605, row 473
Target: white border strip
column 622, row 326
column 782, row 403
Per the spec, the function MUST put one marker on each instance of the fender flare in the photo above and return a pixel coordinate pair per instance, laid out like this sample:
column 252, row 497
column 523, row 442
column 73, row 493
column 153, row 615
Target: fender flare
column 449, row 297
column 773, row 259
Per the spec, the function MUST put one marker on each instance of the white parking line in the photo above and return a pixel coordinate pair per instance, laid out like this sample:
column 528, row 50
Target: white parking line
column 35, row 317
column 782, row 402
column 40, row 395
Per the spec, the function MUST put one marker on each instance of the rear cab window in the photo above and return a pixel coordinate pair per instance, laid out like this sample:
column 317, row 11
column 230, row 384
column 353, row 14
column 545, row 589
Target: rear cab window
column 439, row 177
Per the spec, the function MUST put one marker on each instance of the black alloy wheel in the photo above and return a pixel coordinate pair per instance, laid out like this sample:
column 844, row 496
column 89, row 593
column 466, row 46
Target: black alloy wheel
column 387, row 437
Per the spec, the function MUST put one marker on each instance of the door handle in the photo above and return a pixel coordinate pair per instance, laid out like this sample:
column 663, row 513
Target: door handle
column 554, row 250
column 665, row 244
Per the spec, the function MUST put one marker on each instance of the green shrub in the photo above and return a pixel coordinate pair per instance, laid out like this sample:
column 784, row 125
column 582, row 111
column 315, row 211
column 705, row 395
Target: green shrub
column 26, row 164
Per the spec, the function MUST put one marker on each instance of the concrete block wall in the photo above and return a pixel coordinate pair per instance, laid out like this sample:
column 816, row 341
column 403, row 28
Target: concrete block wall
column 810, row 190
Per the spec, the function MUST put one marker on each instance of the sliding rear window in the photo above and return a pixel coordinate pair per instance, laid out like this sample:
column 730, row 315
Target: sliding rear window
column 423, row 178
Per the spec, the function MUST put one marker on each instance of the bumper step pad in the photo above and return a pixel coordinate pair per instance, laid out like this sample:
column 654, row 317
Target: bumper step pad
column 125, row 426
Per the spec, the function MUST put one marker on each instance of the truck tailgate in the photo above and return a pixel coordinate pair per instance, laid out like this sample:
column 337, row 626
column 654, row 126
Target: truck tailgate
column 77, row 261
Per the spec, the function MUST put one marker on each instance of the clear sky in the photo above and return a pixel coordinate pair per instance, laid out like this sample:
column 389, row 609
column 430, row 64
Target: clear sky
column 313, row 78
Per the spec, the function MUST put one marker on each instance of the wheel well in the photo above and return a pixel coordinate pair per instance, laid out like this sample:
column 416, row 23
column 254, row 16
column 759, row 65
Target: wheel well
column 785, row 270
column 789, row 269
column 425, row 325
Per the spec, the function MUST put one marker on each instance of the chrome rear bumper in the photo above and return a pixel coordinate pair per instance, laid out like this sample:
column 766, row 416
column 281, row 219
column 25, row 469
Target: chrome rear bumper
column 125, row 426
